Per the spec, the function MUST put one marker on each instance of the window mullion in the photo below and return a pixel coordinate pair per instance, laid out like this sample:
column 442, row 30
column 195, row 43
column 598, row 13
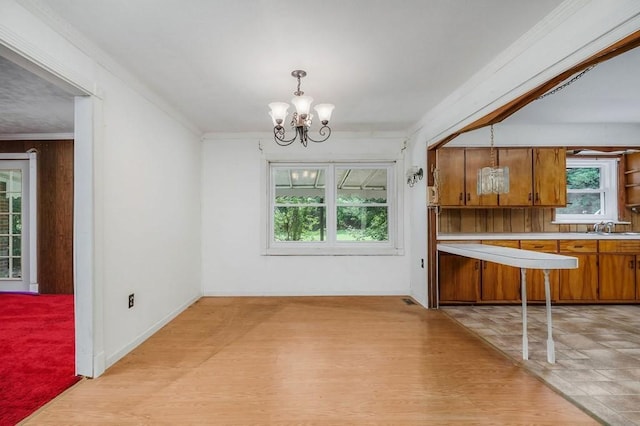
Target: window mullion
column 330, row 200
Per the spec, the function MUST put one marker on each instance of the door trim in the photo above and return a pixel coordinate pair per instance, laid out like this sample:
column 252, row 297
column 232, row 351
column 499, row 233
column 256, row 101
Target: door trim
column 32, row 239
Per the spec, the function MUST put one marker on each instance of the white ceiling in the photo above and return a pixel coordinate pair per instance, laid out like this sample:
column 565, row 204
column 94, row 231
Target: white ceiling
column 30, row 104
column 609, row 93
column 383, row 63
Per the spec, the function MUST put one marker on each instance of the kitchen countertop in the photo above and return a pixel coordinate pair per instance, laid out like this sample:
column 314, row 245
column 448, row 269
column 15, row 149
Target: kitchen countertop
column 536, row 236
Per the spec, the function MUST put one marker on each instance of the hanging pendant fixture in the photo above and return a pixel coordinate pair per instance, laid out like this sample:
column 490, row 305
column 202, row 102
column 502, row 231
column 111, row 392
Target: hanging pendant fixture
column 493, row 180
column 301, row 119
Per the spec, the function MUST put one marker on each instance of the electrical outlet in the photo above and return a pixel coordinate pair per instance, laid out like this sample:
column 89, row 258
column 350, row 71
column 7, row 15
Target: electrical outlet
column 131, row 300
column 422, row 263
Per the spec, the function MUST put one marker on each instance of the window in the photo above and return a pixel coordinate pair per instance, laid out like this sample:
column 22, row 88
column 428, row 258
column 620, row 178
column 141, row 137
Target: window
column 332, row 208
column 592, row 191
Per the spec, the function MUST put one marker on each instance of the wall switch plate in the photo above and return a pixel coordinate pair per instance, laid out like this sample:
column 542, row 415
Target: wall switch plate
column 131, row 300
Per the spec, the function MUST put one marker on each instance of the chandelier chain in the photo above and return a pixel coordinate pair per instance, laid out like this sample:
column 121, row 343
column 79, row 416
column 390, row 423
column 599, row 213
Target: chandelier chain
column 568, row 83
column 491, row 152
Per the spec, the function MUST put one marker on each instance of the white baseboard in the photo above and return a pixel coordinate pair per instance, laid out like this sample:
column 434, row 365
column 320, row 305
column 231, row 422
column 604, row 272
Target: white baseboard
column 112, row 359
column 212, row 293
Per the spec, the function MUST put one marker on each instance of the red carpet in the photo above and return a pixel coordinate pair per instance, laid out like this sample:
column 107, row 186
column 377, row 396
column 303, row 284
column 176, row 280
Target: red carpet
column 37, row 352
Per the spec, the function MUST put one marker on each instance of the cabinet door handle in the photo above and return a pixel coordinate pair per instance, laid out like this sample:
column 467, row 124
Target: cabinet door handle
column 477, row 265
column 460, row 198
column 537, row 197
column 468, row 196
column 538, row 246
column 578, row 246
column 632, row 264
column 484, row 265
column 529, row 196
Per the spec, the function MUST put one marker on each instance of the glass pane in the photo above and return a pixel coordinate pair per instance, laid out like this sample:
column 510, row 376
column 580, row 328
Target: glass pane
column 16, row 272
column 16, row 181
column 582, row 204
column 4, row 267
column 5, row 180
column 4, row 224
column 300, row 224
column 16, row 249
column 583, row 178
column 362, row 224
column 4, row 203
column 16, row 205
column 4, row 246
column 16, row 223
column 361, row 186
column 299, row 186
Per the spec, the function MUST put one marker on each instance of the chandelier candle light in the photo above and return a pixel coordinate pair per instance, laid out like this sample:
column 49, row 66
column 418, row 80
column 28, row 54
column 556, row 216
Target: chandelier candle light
column 301, row 119
column 493, row 180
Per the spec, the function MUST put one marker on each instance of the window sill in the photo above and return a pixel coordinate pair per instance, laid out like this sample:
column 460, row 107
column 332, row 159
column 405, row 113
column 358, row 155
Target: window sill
column 335, row 251
column 588, row 222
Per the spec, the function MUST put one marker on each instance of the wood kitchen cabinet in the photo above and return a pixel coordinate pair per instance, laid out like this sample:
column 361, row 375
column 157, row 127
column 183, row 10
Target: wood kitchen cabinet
column 537, row 177
column 632, row 179
column 580, row 284
column 500, row 283
column 459, row 278
column 617, row 269
column 450, row 163
column 617, row 274
column 475, row 159
column 458, row 176
column 535, row 277
column 549, row 177
column 519, row 161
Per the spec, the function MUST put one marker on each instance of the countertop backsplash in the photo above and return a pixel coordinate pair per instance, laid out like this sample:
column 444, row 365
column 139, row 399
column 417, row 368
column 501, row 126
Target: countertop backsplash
column 519, row 220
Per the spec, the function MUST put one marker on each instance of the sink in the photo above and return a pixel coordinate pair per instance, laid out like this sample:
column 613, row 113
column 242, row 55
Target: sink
column 613, row 233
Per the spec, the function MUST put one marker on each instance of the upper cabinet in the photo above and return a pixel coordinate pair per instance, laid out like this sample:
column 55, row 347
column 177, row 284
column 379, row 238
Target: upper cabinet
column 519, row 161
column 537, row 177
column 451, row 176
column 550, row 177
column 632, row 179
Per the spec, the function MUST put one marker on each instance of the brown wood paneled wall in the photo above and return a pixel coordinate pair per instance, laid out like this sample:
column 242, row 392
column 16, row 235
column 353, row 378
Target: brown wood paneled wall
column 55, row 212
column 451, row 221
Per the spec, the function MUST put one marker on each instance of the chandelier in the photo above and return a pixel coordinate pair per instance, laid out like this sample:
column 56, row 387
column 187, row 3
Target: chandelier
column 301, row 119
column 493, row 180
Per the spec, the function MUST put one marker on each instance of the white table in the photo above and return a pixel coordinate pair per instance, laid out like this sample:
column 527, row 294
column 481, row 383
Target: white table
column 523, row 259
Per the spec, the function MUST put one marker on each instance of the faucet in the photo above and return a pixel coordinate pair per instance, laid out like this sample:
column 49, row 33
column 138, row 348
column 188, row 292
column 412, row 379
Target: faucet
column 609, row 227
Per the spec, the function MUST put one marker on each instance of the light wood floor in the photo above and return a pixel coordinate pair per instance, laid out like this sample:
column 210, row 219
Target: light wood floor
column 372, row 360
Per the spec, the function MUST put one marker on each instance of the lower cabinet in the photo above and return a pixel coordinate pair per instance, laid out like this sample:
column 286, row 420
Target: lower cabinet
column 500, row 283
column 459, row 278
column 608, row 272
column 581, row 284
column 618, row 264
column 617, row 273
column 535, row 277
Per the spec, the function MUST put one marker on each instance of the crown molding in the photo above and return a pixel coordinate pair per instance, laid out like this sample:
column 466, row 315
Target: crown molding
column 36, row 136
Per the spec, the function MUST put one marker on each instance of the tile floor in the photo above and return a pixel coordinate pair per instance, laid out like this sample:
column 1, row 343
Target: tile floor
column 597, row 351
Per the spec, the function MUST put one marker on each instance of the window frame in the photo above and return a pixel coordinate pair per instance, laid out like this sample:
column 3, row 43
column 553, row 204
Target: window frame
column 331, row 245
column 608, row 188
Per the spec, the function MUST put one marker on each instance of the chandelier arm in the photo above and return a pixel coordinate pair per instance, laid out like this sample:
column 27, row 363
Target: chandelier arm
column 321, row 132
column 278, row 136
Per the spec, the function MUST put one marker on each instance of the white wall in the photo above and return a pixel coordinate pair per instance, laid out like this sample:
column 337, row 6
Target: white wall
column 232, row 263
column 145, row 196
column 417, row 202
column 151, row 217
